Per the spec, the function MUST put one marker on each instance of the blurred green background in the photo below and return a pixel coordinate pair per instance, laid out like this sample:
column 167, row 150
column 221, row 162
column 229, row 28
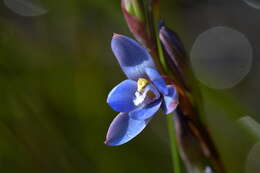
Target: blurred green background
column 56, row 70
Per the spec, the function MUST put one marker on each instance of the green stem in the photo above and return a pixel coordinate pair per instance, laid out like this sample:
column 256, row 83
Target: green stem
column 173, row 144
column 171, row 129
column 160, row 54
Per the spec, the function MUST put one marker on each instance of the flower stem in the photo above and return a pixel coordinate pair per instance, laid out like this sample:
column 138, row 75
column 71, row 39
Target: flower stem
column 161, row 55
column 173, row 144
column 171, row 129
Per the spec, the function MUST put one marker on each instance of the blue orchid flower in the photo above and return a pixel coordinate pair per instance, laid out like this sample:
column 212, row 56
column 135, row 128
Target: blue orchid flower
column 140, row 96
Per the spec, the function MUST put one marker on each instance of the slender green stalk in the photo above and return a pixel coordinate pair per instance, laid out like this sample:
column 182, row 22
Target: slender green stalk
column 160, row 53
column 171, row 129
column 173, row 144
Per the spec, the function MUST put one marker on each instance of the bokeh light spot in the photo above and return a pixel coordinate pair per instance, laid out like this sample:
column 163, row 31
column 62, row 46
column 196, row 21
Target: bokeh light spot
column 251, row 125
column 221, row 57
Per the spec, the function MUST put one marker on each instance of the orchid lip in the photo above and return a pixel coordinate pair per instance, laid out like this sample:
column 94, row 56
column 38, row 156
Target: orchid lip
column 146, row 95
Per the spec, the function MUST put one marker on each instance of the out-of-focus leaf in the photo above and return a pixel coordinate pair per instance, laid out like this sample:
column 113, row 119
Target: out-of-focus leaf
column 25, row 7
column 253, row 3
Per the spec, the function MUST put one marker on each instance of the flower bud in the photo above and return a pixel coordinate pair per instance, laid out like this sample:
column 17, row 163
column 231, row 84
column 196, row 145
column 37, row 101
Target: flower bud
column 173, row 46
column 134, row 8
column 134, row 13
column 175, row 55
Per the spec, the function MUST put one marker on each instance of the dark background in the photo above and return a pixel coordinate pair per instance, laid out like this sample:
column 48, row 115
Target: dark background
column 56, row 69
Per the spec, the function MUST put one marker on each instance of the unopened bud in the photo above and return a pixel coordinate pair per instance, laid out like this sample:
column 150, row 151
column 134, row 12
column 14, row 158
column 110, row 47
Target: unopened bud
column 175, row 55
column 134, row 8
column 134, row 13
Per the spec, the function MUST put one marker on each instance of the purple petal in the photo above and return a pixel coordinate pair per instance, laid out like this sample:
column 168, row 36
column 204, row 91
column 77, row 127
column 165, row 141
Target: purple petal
column 123, row 129
column 157, row 80
column 146, row 112
column 132, row 57
column 170, row 101
column 121, row 97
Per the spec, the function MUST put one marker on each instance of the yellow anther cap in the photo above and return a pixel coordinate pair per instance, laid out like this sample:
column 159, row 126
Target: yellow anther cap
column 141, row 84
